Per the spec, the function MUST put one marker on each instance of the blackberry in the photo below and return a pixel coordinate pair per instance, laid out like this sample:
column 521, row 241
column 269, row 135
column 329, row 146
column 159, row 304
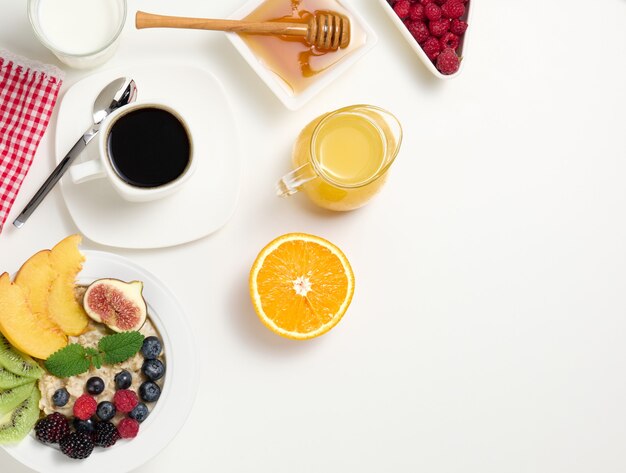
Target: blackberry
column 60, row 397
column 151, row 348
column 95, row 385
column 123, row 380
column 52, row 428
column 105, row 434
column 139, row 413
column 77, row 445
column 149, row 391
column 106, row 410
column 153, row 369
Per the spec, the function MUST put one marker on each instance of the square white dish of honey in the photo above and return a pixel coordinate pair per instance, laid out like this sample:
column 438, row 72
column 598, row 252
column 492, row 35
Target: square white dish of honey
column 292, row 69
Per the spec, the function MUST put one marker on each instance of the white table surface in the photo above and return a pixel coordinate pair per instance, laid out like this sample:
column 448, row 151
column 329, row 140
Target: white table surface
column 487, row 329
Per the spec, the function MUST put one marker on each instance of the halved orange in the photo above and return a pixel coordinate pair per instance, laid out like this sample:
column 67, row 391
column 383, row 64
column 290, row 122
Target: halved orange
column 301, row 285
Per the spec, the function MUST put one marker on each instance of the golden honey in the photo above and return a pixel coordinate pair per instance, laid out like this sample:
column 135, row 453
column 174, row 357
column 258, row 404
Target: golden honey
column 290, row 58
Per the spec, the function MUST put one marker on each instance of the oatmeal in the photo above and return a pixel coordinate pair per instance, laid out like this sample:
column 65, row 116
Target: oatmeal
column 49, row 384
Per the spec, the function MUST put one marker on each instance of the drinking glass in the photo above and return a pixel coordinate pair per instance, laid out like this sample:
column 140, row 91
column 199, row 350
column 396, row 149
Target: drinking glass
column 82, row 34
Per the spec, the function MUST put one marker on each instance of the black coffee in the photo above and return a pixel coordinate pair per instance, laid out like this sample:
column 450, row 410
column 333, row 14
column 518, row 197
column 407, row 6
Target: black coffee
column 148, row 147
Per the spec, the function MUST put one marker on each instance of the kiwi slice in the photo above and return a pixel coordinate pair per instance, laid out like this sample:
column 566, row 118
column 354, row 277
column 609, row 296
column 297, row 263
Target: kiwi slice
column 15, row 425
column 11, row 398
column 17, row 362
column 10, row 380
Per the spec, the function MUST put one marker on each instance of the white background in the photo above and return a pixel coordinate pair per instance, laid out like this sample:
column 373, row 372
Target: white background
column 487, row 328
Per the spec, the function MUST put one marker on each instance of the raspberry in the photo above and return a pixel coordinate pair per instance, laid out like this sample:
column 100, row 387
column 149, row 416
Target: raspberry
column 440, row 2
column 128, row 428
column 418, row 30
column 426, row 2
column 416, row 12
column 432, row 12
column 84, row 407
column 432, row 48
column 125, row 400
column 453, row 9
column 448, row 62
column 105, row 434
column 77, row 445
column 449, row 40
column 458, row 27
column 439, row 27
column 52, row 428
column 402, row 8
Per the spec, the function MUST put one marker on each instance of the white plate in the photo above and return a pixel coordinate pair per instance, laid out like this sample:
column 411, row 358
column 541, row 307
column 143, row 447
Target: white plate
column 179, row 390
column 202, row 206
column 461, row 51
column 276, row 84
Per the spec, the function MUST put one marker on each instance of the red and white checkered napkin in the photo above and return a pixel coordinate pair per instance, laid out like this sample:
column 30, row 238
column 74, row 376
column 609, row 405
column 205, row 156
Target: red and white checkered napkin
column 28, row 92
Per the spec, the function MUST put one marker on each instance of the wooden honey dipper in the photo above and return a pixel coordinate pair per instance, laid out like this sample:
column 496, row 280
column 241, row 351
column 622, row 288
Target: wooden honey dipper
column 326, row 31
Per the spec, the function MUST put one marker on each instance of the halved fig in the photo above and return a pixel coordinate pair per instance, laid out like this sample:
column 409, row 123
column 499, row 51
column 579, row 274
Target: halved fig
column 117, row 304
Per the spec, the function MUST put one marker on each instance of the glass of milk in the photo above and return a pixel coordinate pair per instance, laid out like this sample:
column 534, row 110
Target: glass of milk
column 81, row 33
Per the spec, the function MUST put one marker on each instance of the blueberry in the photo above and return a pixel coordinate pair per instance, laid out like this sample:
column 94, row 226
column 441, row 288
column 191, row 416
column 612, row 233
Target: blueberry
column 123, row 380
column 139, row 413
column 95, row 385
column 153, row 369
column 151, row 348
column 85, row 426
column 60, row 397
column 106, row 410
column 149, row 391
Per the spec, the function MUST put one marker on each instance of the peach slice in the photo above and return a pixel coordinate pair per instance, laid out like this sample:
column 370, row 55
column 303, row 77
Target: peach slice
column 63, row 308
column 35, row 277
column 22, row 328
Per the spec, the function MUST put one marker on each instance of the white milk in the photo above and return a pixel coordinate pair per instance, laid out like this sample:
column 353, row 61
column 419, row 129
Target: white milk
column 79, row 26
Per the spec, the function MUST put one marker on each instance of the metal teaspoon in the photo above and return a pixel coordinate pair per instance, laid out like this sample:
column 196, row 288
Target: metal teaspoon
column 118, row 93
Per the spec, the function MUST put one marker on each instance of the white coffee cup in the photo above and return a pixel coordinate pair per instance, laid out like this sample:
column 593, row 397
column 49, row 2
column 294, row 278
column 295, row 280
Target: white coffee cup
column 146, row 135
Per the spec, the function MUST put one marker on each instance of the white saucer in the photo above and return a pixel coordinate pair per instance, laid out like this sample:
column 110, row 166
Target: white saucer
column 170, row 412
column 208, row 199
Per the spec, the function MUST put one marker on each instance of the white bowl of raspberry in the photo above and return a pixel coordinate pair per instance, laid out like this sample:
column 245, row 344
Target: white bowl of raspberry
column 436, row 30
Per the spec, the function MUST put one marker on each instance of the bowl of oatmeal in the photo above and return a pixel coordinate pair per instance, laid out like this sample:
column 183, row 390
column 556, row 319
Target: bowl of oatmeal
column 167, row 321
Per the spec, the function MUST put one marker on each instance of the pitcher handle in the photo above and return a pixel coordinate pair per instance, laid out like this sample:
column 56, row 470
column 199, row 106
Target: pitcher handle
column 291, row 183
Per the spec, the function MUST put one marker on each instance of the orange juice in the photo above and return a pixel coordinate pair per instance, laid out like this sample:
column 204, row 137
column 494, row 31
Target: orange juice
column 341, row 158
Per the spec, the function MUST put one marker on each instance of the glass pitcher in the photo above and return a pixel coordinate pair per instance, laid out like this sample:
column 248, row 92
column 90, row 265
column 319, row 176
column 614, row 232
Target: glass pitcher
column 341, row 158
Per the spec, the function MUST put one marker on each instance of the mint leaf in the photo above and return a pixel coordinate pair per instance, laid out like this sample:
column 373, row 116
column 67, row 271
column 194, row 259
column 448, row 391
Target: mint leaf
column 95, row 356
column 68, row 361
column 75, row 359
column 96, row 360
column 120, row 346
